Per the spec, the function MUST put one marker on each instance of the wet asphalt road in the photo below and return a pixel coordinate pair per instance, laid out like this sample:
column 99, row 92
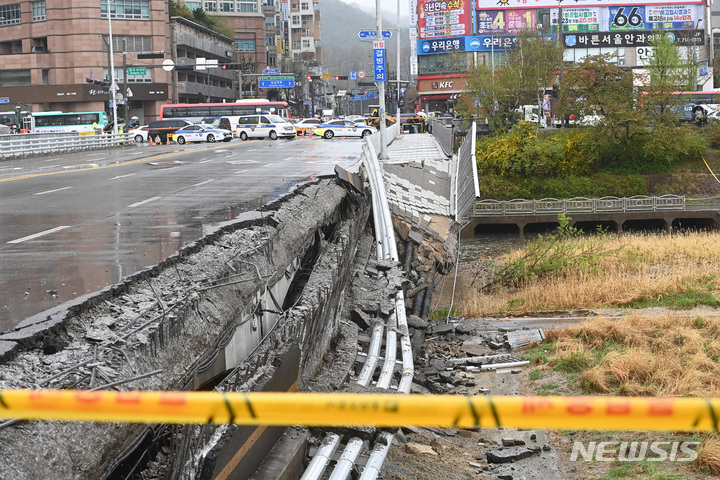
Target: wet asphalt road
column 73, row 224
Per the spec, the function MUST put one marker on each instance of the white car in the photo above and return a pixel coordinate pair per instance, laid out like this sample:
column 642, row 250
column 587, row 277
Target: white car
column 264, row 126
column 139, row 134
column 201, row 133
column 344, row 128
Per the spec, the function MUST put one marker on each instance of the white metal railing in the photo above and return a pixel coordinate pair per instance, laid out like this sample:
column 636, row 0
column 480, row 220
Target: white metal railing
column 392, row 132
column 464, row 184
column 521, row 206
column 23, row 144
column 444, row 133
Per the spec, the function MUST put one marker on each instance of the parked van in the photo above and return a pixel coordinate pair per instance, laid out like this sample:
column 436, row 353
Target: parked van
column 264, row 126
column 224, row 123
column 161, row 128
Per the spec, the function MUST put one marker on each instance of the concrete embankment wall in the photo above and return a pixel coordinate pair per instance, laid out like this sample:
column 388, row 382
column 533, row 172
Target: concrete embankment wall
column 215, row 307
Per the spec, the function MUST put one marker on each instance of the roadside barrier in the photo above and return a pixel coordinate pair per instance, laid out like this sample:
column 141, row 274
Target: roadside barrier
column 342, row 409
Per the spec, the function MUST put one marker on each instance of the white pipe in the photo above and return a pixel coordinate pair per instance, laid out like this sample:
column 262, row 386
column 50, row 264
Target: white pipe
column 373, row 353
column 388, row 368
column 322, row 457
column 377, row 457
column 347, row 460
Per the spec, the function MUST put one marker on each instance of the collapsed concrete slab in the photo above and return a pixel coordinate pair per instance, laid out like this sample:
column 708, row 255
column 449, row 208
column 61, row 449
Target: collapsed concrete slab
column 218, row 307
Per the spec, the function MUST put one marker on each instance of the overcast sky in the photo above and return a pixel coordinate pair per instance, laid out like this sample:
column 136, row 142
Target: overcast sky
column 389, row 6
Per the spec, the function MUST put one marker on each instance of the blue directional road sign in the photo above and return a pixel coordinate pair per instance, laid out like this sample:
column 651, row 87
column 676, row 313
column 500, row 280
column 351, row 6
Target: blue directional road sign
column 353, row 75
column 373, row 34
column 282, row 81
column 271, row 70
column 359, row 98
column 379, row 64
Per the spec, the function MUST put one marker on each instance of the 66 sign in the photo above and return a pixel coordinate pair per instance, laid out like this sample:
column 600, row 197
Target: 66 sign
column 627, row 18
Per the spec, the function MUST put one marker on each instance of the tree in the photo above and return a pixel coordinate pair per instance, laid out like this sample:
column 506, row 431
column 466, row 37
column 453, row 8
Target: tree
column 519, row 78
column 668, row 70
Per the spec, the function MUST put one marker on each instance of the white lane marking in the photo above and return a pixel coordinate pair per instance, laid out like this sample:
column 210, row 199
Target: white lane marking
column 240, row 162
column 137, row 204
column 39, row 234
column 252, row 149
column 122, row 176
column 288, row 158
column 268, row 165
column 205, row 161
column 51, row 191
column 203, row 183
column 430, row 181
column 240, row 172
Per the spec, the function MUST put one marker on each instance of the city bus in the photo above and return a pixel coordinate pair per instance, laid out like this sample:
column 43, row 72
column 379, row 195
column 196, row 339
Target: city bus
column 195, row 112
column 8, row 118
column 59, row 122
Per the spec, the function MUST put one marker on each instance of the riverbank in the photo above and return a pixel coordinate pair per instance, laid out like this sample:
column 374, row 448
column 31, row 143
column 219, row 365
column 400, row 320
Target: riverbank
column 643, row 318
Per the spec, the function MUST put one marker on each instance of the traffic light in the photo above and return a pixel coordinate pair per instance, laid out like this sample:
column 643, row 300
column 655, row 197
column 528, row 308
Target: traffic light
column 555, row 91
column 309, row 78
column 341, row 77
column 231, row 66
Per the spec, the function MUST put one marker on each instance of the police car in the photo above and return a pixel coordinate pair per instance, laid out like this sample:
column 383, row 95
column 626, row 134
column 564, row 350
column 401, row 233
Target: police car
column 201, row 133
column 343, row 128
column 264, row 126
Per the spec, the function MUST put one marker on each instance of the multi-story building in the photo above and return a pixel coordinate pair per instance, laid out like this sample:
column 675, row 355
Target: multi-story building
column 49, row 48
column 453, row 36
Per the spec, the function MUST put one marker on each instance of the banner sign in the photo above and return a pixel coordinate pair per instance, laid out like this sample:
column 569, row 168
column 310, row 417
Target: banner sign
column 576, row 19
column 524, row 4
column 500, row 22
column 627, row 18
column 683, row 38
column 448, row 18
column 673, row 17
column 475, row 43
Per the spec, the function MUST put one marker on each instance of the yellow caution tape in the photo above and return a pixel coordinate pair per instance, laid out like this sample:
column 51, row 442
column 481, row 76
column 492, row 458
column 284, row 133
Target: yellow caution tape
column 714, row 176
column 343, row 409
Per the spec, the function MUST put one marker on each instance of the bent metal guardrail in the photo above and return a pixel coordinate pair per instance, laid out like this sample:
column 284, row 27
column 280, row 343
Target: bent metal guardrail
column 23, row 144
column 638, row 203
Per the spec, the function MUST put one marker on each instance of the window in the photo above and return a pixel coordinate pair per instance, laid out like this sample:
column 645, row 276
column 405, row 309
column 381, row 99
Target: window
column 296, row 44
column 193, row 5
column 227, row 7
column 246, row 6
column 10, row 14
column 296, row 20
column 39, row 45
column 305, row 31
column 271, row 61
column 14, row 78
column 304, row 6
column 38, row 11
column 242, row 45
column 129, row 43
column 306, row 43
column 270, row 21
column 270, row 41
column 295, row 6
column 306, row 20
column 126, row 9
column 211, row 6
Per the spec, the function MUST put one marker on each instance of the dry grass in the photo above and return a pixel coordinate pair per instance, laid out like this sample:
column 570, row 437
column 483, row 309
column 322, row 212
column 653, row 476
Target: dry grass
column 633, row 268
column 646, row 356
column 642, row 356
column 708, row 460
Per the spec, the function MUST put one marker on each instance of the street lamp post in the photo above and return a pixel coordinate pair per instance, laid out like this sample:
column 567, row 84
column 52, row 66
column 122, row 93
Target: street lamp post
column 113, row 85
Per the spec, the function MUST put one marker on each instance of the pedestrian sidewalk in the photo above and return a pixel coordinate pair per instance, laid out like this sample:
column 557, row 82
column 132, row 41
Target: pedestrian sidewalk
column 417, row 174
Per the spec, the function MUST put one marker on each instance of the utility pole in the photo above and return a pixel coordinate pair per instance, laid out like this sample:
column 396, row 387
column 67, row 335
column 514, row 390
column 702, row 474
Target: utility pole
column 113, row 85
column 381, row 86
column 125, row 85
column 397, row 91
